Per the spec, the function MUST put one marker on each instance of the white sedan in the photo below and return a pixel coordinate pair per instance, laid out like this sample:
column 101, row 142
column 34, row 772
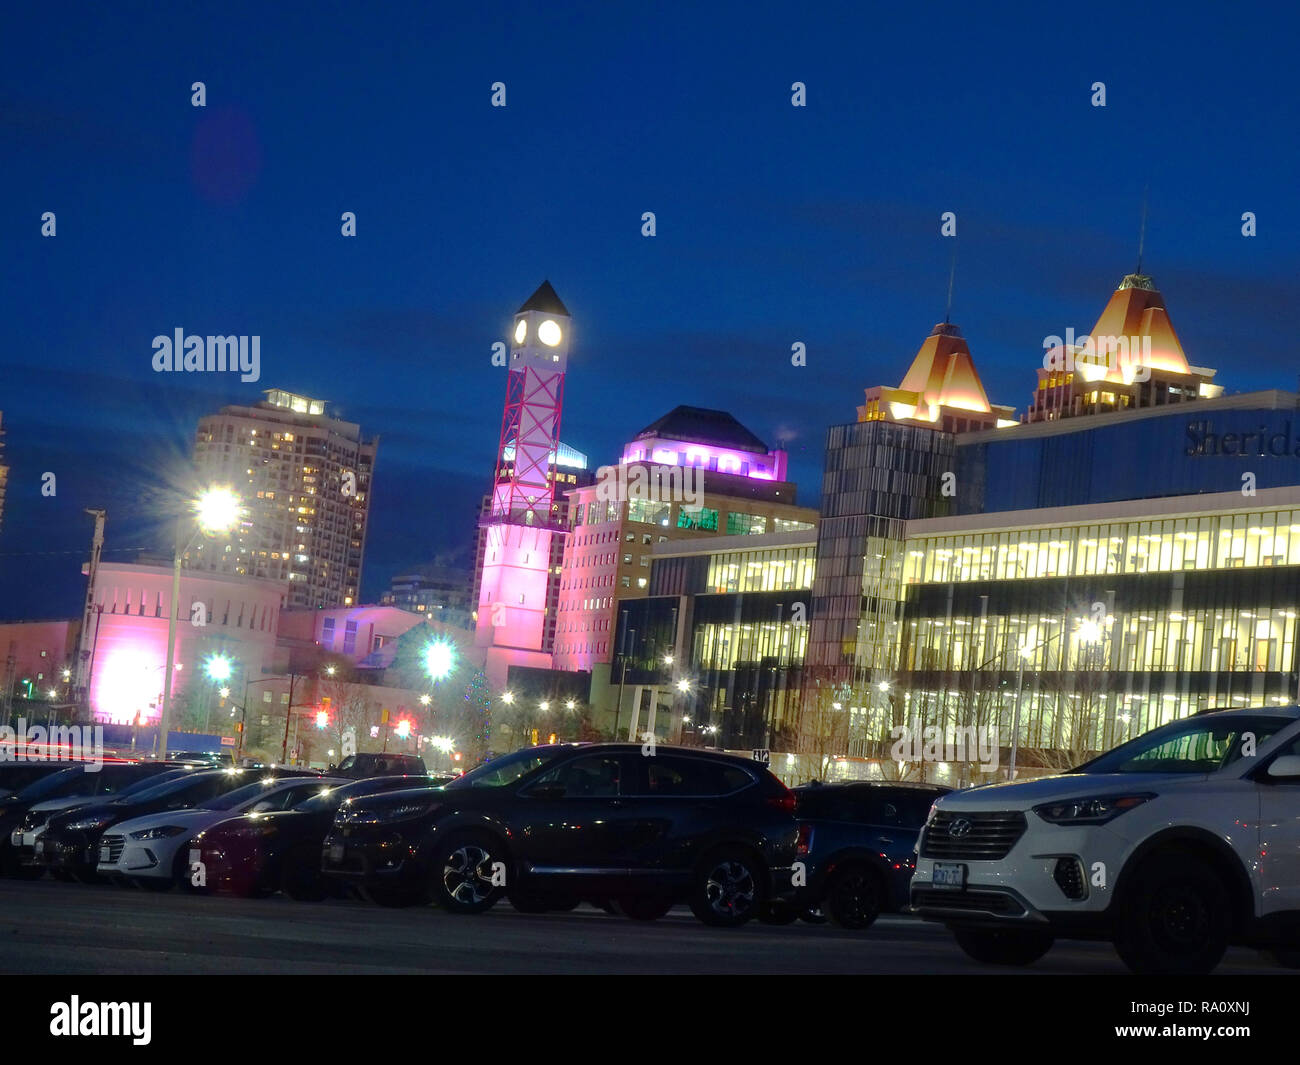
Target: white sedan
column 153, row 851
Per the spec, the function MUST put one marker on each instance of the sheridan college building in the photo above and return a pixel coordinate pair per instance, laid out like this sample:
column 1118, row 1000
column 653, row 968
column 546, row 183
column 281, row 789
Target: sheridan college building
column 1125, row 553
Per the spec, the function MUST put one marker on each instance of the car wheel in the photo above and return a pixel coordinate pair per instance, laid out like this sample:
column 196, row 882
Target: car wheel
column 778, row 913
column 463, row 874
column 853, row 895
column 1175, row 918
column 728, row 888
column 643, row 907
column 1003, row 946
column 300, row 877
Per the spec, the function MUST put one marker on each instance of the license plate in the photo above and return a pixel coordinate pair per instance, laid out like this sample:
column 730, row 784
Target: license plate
column 105, row 855
column 16, row 838
column 948, row 875
column 40, row 846
column 336, row 853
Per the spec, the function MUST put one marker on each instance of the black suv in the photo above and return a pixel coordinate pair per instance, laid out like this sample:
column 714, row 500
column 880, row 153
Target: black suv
column 860, row 838
column 365, row 766
column 568, row 822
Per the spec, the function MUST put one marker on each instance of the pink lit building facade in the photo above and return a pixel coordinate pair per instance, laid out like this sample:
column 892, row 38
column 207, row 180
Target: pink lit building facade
column 219, row 614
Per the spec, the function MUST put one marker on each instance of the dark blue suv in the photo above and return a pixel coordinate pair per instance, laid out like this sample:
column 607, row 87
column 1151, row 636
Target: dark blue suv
column 860, row 839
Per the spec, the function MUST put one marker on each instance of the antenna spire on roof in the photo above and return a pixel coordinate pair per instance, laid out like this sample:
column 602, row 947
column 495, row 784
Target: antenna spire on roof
column 1142, row 233
column 952, row 273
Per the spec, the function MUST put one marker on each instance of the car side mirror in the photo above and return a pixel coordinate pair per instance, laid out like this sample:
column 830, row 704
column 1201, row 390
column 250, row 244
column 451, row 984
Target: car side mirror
column 332, row 767
column 1287, row 767
column 547, row 791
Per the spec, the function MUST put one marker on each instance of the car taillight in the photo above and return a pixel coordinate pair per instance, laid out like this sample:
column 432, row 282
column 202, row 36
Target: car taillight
column 805, row 839
column 785, row 801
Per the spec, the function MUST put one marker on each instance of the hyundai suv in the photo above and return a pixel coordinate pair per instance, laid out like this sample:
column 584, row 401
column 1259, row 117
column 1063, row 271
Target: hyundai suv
column 582, row 821
column 1171, row 846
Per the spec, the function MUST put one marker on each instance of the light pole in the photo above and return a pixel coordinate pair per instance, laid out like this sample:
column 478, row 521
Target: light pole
column 216, row 510
column 219, row 669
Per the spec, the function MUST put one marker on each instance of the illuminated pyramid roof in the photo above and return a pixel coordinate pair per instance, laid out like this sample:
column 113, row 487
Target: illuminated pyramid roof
column 942, row 383
column 1136, row 311
column 1131, row 358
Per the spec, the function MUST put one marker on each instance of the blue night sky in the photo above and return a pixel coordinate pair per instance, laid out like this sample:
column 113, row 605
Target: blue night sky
column 776, row 224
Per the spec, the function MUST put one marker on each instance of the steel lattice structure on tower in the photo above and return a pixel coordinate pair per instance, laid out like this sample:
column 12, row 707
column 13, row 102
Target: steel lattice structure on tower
column 524, row 517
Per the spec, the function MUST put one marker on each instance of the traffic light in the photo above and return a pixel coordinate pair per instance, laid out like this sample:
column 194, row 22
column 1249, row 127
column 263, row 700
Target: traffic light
column 322, row 718
column 239, row 726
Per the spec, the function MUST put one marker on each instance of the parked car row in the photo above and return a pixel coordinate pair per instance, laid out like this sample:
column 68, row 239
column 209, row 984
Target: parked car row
column 1172, row 846
column 544, row 828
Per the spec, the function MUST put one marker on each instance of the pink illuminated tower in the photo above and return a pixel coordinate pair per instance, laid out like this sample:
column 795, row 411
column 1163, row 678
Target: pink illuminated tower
column 525, row 517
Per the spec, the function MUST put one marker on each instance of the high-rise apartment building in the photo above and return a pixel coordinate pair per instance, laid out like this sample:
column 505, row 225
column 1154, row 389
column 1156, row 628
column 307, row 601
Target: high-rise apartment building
column 304, row 478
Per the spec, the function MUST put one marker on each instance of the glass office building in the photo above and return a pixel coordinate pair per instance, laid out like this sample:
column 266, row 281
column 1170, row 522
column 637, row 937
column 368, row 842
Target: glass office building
column 729, row 619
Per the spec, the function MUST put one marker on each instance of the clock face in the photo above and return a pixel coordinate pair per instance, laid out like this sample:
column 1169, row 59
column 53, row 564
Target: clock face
column 548, row 333
column 521, row 331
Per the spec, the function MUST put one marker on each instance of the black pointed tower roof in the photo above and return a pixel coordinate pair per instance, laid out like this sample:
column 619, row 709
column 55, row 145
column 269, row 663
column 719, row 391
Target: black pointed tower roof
column 546, row 301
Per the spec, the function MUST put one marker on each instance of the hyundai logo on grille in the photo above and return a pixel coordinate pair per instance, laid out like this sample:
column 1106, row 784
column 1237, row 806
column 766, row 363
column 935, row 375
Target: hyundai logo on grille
column 959, row 828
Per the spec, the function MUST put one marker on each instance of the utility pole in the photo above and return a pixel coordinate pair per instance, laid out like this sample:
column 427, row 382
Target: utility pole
column 284, row 747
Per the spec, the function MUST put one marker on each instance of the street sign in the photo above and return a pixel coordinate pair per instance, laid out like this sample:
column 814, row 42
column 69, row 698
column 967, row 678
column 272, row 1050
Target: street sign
column 763, row 755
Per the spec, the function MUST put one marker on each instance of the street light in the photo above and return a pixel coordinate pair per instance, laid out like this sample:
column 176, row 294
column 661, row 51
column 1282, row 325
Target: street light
column 216, row 510
column 507, row 697
column 439, row 659
column 570, row 705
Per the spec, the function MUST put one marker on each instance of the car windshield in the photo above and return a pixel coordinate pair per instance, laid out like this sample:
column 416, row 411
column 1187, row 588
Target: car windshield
column 505, row 770
column 248, row 792
column 166, row 787
column 150, row 781
column 329, row 798
column 1193, row 745
column 50, row 785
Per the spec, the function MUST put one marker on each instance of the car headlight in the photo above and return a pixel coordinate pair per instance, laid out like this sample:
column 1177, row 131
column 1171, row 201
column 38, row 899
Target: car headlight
column 384, row 814
column 88, row 824
column 1091, row 811
column 162, row 832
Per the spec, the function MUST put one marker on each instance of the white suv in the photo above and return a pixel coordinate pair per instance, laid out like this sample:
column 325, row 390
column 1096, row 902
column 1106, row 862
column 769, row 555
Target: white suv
column 1171, row 846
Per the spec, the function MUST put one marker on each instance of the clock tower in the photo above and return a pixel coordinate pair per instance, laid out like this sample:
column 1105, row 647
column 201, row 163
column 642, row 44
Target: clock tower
column 524, row 520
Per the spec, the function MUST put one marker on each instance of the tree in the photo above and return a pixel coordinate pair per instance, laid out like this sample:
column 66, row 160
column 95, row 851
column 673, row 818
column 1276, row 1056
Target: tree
column 1080, row 718
column 823, row 733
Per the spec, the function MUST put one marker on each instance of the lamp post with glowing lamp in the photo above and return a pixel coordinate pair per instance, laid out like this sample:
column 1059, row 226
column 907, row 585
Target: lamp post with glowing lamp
column 216, row 510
